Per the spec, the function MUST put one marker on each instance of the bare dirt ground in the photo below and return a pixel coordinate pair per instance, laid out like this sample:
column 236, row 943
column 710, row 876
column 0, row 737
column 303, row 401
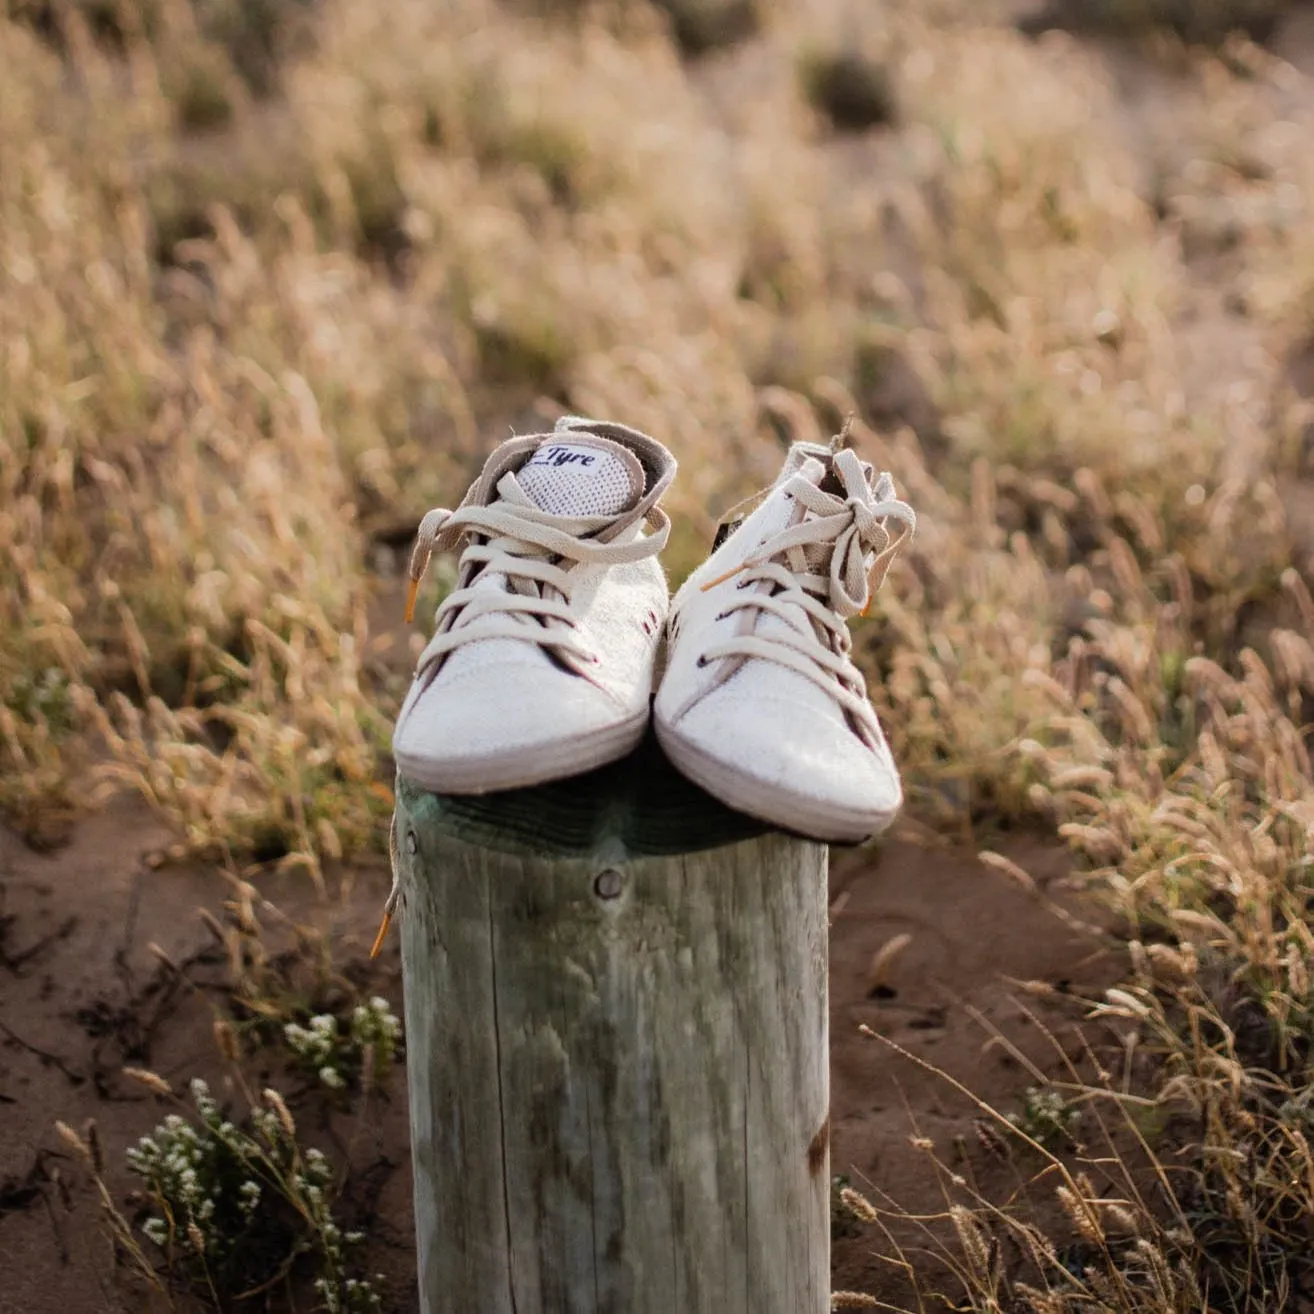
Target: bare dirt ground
column 984, row 992
column 106, row 964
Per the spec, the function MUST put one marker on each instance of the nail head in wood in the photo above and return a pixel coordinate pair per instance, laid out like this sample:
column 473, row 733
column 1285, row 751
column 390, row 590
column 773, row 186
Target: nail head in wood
column 608, row 884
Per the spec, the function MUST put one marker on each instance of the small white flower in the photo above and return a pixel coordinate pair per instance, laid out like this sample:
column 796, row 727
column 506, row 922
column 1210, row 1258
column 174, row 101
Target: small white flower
column 331, row 1077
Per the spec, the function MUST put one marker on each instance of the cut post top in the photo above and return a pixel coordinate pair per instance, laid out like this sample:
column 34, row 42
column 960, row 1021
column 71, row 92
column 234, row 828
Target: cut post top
column 637, row 807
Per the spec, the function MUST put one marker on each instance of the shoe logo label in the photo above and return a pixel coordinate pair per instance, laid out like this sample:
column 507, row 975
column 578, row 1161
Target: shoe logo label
column 555, row 454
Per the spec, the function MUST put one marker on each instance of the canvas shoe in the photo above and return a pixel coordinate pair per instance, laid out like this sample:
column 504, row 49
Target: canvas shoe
column 542, row 657
column 760, row 703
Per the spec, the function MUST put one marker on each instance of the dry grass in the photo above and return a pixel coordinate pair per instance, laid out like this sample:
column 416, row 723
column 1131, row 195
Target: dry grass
column 264, row 298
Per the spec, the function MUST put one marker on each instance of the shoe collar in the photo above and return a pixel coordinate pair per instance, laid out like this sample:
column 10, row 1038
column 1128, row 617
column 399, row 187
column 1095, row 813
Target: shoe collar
column 657, row 462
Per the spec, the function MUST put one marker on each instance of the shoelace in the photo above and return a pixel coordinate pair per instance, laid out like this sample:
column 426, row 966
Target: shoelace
column 535, row 551
column 394, row 894
column 814, row 605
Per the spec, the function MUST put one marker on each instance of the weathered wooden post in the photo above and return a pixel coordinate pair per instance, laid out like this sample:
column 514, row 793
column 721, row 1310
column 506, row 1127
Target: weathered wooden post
column 617, row 1050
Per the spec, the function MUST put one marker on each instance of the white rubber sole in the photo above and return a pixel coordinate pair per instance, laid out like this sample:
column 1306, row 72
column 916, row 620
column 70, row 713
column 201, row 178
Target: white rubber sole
column 777, row 805
column 525, row 767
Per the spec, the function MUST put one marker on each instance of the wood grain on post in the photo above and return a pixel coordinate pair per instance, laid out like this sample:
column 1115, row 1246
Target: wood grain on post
column 616, row 1051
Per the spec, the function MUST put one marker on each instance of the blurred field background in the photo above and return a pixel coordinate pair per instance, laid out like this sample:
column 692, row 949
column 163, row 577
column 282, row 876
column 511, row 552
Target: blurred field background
column 276, row 274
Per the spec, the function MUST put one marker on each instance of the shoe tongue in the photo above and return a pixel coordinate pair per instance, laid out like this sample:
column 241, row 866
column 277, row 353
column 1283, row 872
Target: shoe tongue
column 584, row 476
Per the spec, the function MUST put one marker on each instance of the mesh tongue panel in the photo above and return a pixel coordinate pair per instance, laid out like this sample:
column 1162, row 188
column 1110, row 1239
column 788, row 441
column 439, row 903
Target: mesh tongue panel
column 583, row 477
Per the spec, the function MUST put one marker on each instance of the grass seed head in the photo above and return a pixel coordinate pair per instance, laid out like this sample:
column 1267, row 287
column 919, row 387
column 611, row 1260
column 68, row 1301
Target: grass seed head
column 151, row 1080
column 279, row 1106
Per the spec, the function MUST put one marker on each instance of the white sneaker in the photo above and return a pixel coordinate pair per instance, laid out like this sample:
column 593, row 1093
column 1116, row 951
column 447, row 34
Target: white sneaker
column 541, row 663
column 760, row 703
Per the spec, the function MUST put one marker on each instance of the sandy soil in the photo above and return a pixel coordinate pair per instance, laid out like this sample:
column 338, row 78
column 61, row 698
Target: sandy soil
column 105, row 962
column 961, row 997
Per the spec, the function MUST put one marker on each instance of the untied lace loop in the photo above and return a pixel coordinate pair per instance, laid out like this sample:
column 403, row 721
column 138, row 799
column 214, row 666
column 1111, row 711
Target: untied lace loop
column 856, row 524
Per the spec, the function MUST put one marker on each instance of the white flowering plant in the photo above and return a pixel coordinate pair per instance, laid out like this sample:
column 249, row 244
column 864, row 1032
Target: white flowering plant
column 234, row 1207
column 1046, row 1117
column 355, row 1050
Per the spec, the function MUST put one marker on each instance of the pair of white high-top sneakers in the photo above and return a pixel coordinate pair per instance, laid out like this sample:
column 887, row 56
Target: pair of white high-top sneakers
column 543, row 657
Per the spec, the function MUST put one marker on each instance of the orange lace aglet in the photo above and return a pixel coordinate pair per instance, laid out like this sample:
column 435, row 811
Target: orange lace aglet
column 721, row 579
column 382, row 935
column 412, row 592
column 874, row 581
